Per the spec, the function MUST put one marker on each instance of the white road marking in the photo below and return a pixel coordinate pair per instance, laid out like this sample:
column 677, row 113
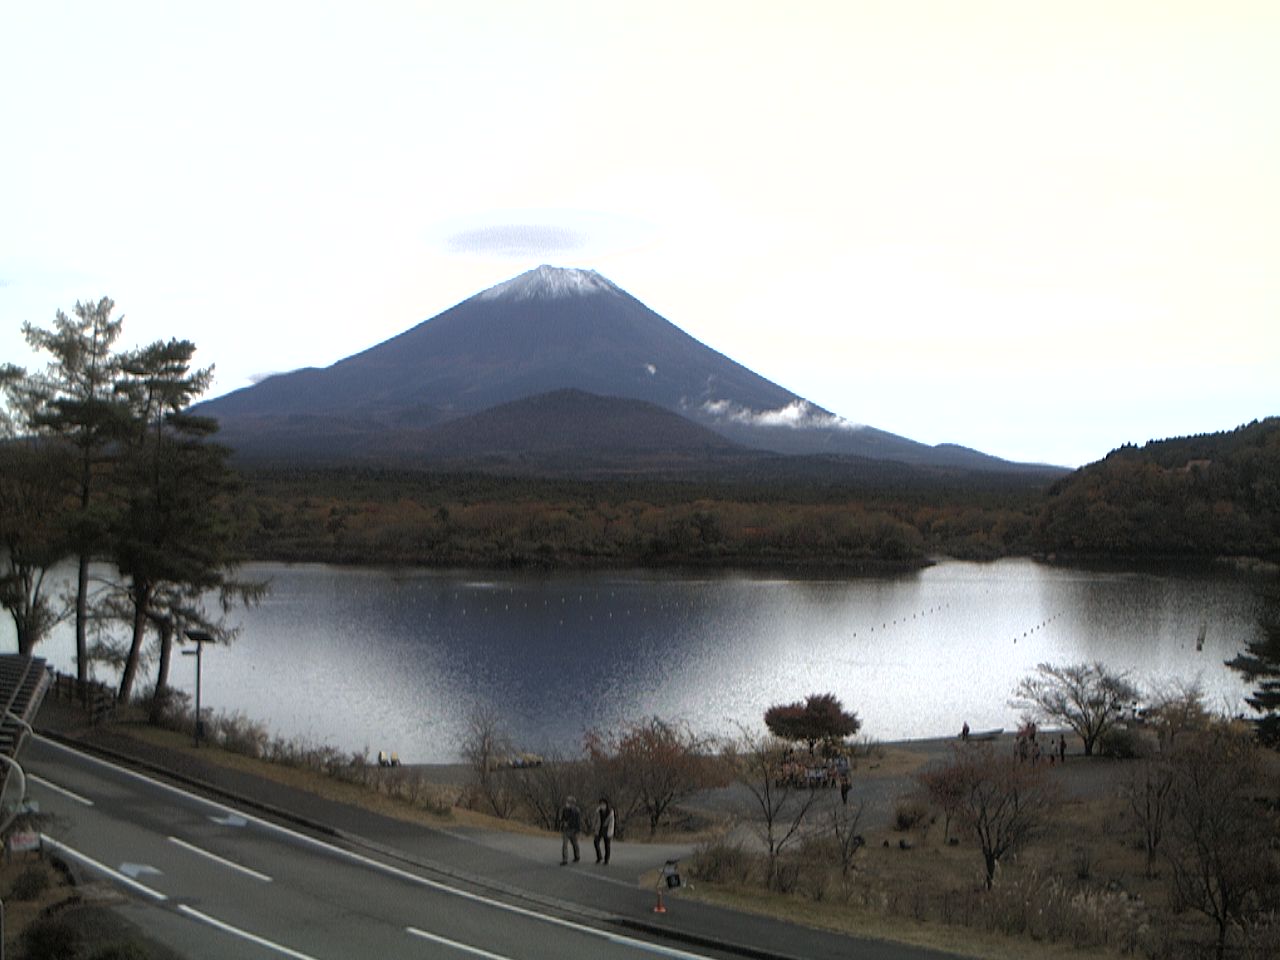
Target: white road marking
column 102, row 868
column 465, row 948
column 231, row 864
column 243, row 934
column 135, row 870
column 57, row 789
column 160, row 897
column 396, row 871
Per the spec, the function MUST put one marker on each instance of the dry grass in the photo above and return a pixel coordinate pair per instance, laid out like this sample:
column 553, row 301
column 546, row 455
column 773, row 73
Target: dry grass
column 862, row 922
column 20, row 913
column 1078, row 889
column 320, row 784
column 889, row 763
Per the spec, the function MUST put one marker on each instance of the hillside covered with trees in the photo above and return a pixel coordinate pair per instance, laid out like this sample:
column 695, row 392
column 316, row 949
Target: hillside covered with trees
column 361, row 515
column 1198, row 498
column 1214, row 495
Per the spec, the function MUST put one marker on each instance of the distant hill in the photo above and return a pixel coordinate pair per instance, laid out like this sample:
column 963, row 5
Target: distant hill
column 1203, row 496
column 545, row 331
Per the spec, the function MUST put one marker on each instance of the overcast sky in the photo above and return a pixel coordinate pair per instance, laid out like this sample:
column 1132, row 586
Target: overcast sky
column 1041, row 230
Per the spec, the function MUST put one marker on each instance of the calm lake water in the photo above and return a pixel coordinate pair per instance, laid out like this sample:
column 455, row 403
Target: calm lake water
column 395, row 659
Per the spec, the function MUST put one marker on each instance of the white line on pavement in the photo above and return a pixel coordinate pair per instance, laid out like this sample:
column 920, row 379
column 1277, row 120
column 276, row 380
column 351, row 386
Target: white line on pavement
column 102, row 867
column 230, row 864
column 244, row 934
column 456, row 945
column 57, row 789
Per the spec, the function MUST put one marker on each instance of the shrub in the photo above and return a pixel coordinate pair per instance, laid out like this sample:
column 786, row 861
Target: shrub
column 54, row 939
column 1120, row 743
column 169, row 708
column 236, row 733
column 909, row 813
column 718, row 861
column 31, row 883
column 122, row 951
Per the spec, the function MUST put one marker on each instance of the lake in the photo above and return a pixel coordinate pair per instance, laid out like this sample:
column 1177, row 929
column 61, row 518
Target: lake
column 396, row 659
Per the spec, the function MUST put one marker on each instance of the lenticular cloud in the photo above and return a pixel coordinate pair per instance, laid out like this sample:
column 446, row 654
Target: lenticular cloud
column 516, row 240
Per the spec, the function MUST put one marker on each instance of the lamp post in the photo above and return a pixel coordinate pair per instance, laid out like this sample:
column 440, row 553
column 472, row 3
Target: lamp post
column 199, row 638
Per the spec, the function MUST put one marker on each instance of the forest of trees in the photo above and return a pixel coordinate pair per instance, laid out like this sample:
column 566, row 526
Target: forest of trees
column 1197, row 498
column 382, row 516
column 103, row 467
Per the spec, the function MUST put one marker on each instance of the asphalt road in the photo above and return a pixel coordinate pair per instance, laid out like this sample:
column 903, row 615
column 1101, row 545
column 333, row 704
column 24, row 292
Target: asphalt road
column 323, row 879
column 213, row 882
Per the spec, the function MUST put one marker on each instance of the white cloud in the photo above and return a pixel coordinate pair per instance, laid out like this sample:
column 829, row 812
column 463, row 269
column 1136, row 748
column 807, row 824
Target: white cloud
column 797, row 415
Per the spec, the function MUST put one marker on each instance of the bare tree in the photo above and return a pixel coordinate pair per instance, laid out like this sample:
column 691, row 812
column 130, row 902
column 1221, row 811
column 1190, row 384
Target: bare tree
column 484, row 746
column 544, row 786
column 1150, row 796
column 1219, row 867
column 1178, row 708
column 844, row 828
column 779, row 807
column 1004, row 802
column 945, row 785
column 1087, row 697
column 652, row 764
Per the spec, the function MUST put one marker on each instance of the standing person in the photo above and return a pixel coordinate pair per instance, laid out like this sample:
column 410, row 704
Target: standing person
column 844, row 789
column 570, row 819
column 1062, row 748
column 604, row 829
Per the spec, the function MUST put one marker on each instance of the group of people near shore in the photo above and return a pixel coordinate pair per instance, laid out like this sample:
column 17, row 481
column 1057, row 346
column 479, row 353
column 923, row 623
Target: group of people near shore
column 1027, row 747
column 814, row 773
column 569, row 820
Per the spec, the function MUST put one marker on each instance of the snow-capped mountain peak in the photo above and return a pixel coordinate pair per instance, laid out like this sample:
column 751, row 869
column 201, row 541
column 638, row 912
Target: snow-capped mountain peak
column 547, row 282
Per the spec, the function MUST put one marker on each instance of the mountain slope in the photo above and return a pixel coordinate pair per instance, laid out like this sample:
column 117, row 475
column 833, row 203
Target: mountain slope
column 544, row 331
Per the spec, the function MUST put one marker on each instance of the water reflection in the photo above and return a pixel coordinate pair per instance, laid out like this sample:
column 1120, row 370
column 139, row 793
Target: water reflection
column 370, row 659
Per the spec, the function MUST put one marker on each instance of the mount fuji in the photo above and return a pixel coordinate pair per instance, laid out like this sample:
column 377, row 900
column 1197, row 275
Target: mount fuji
column 473, row 383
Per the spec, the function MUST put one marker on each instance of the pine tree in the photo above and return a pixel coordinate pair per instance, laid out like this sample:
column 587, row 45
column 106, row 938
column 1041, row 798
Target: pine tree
column 76, row 401
column 33, row 512
column 174, row 539
column 1260, row 665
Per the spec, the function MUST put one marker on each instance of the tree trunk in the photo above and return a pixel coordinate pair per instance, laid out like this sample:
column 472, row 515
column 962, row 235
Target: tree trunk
column 25, row 645
column 82, row 616
column 159, row 697
column 142, row 597
column 166, row 656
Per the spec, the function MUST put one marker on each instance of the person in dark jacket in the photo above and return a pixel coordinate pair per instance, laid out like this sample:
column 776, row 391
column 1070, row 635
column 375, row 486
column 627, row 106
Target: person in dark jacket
column 570, row 819
column 604, row 830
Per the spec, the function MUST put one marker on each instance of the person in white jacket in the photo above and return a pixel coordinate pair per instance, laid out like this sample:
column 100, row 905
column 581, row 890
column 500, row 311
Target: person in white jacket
column 604, row 830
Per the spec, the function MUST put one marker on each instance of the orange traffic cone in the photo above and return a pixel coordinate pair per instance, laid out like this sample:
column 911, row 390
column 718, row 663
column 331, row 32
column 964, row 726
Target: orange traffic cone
column 658, row 907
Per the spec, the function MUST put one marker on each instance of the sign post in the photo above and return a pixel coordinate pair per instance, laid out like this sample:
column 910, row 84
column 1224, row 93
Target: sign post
column 199, row 638
column 669, row 879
